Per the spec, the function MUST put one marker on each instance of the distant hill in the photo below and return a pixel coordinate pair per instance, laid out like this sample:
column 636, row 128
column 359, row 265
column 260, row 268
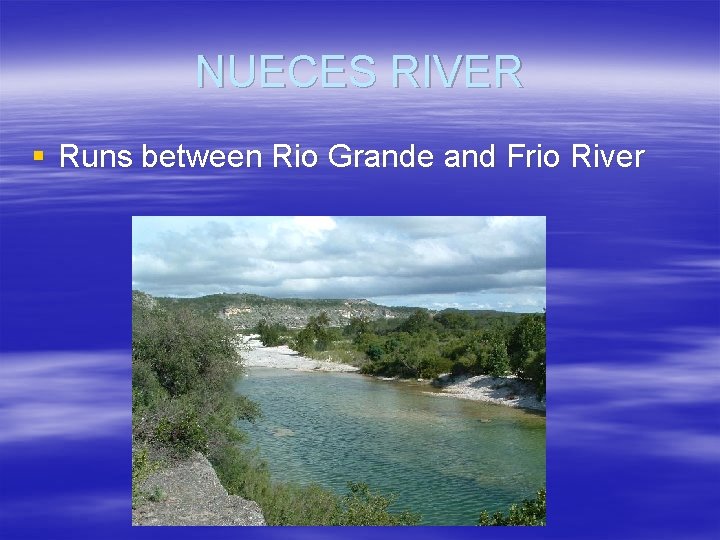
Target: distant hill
column 245, row 310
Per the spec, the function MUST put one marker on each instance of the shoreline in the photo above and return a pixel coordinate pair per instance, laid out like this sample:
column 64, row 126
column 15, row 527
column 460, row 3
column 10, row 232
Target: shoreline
column 507, row 391
column 255, row 354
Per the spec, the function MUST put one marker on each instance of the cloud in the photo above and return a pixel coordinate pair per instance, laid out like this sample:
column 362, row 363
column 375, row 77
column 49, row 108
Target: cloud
column 318, row 256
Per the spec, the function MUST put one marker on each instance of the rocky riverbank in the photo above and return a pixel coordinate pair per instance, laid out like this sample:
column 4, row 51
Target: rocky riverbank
column 254, row 354
column 190, row 493
column 507, row 391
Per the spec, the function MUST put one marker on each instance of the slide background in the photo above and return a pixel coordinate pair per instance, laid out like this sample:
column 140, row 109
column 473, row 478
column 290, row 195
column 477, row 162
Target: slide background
column 632, row 254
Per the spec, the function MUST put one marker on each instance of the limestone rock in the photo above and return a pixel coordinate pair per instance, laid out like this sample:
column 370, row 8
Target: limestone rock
column 190, row 493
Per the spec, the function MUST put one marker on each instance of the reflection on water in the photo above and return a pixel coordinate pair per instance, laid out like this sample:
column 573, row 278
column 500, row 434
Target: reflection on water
column 445, row 458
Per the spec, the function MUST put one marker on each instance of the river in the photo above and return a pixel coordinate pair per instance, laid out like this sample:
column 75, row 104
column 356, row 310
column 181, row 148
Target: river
column 444, row 457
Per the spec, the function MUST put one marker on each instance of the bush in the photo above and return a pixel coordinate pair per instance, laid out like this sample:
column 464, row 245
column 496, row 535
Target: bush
column 464, row 364
column 270, row 334
column 317, row 336
column 147, row 391
column 497, row 362
column 243, row 473
column 535, row 371
column 362, row 507
column 453, row 319
column 184, row 369
column 292, row 504
column 419, row 321
column 374, row 352
column 528, row 512
column 142, row 467
column 182, row 435
column 527, row 337
column 183, row 351
column 304, row 342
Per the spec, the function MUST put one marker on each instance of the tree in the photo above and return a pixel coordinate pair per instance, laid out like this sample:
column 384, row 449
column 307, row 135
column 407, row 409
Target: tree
column 528, row 337
column 489, row 350
column 535, row 371
column 498, row 363
column 316, row 336
column 184, row 370
column 270, row 333
column 529, row 512
column 417, row 322
column 374, row 352
column 319, row 322
column 357, row 327
column 304, row 342
column 453, row 319
column 183, row 350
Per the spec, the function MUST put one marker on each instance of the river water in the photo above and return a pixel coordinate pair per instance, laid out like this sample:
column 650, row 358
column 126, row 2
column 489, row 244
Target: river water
column 444, row 457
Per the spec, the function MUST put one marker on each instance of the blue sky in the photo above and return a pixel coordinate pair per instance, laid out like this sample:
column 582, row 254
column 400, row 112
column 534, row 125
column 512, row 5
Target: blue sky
column 435, row 262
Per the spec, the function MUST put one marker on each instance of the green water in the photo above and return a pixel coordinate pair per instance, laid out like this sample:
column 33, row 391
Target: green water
column 446, row 458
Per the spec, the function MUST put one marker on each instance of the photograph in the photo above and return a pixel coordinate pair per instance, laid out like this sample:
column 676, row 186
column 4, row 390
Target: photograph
column 316, row 370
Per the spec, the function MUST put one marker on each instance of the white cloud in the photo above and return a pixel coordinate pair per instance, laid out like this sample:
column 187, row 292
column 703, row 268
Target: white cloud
column 343, row 257
column 314, row 224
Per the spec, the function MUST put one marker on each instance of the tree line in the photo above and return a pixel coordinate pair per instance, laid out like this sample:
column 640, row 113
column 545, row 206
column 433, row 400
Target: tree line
column 425, row 346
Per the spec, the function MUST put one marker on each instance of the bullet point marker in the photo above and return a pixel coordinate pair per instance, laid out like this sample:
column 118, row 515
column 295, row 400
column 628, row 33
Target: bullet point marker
column 38, row 155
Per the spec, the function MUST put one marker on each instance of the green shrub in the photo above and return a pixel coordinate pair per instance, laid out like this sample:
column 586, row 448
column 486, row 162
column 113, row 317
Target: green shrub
column 142, row 467
column 270, row 333
column 304, row 342
column 529, row 512
column 362, row 507
column 527, row 337
column 243, row 473
column 180, row 352
column 316, row 336
column 535, row 371
column 157, row 495
column 183, row 435
column 497, row 361
column 292, row 504
column 464, row 364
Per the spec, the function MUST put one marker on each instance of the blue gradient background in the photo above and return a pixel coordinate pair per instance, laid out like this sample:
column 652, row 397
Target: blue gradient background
column 633, row 288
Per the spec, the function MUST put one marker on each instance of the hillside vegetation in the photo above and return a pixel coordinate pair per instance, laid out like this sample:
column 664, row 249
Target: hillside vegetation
column 245, row 311
column 185, row 365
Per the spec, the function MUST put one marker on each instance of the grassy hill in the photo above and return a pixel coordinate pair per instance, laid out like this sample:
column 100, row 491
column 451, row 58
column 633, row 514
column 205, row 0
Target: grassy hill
column 245, row 310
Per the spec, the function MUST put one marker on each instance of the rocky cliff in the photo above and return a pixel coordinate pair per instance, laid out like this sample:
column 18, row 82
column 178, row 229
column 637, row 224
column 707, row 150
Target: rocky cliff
column 190, row 493
column 296, row 316
column 246, row 310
